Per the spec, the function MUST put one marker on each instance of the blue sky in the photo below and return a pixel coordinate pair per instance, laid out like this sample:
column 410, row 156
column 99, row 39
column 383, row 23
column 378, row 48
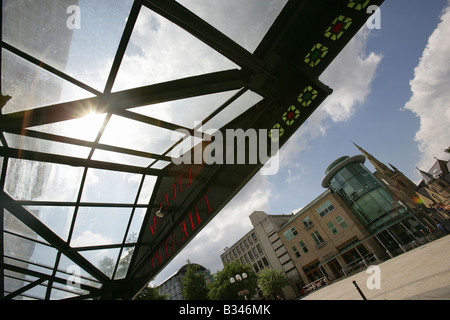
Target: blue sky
column 386, row 93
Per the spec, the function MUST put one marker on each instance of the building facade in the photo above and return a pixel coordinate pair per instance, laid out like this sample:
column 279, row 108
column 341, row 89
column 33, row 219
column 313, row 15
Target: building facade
column 326, row 240
column 354, row 223
column 434, row 192
column 361, row 218
column 262, row 248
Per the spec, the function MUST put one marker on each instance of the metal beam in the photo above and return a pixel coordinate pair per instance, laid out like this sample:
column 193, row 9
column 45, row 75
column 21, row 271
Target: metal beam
column 117, row 101
column 91, row 144
column 77, row 162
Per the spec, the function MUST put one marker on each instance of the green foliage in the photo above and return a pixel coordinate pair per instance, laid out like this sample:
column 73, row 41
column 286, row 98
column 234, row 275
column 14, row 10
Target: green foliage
column 150, row 293
column 271, row 281
column 222, row 289
column 194, row 285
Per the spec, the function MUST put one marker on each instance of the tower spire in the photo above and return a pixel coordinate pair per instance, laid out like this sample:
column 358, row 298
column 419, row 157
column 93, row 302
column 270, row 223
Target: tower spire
column 379, row 166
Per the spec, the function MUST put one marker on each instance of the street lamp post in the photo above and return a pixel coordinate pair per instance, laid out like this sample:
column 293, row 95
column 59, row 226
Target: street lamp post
column 239, row 278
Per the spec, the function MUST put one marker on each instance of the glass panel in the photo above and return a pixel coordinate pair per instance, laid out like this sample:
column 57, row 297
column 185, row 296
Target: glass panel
column 32, row 180
column 124, row 263
column 136, row 224
column 58, row 219
column 160, row 51
column 68, row 34
column 14, row 225
column 105, row 260
column 29, row 251
column 186, row 112
column 57, row 294
column 235, row 109
column 46, row 146
column 147, row 189
column 251, row 18
column 100, row 226
column 67, row 268
column 95, row 43
column 126, row 133
column 160, row 165
column 115, row 157
column 50, row 41
column 30, row 86
column 110, row 186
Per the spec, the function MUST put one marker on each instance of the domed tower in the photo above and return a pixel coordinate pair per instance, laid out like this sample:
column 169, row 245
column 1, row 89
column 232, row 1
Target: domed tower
column 365, row 195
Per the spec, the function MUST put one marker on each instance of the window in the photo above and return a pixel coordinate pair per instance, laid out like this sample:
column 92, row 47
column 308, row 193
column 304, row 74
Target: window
column 318, row 238
column 341, row 222
column 332, row 228
column 258, row 246
column 251, row 255
column 295, row 251
column 266, row 263
column 250, row 240
column 303, row 246
column 260, row 264
column 291, row 233
column 254, row 237
column 325, row 208
column 246, row 243
column 307, row 222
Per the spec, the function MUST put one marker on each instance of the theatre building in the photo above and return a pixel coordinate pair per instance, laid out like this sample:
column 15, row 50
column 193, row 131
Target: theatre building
column 354, row 223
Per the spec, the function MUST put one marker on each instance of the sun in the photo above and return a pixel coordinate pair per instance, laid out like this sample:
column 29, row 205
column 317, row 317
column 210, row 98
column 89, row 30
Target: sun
column 85, row 127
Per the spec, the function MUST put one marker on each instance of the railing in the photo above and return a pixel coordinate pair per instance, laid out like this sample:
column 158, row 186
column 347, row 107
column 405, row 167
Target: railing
column 313, row 286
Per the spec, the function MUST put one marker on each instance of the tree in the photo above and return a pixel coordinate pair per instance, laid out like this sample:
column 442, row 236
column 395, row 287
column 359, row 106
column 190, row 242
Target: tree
column 222, row 289
column 271, row 281
column 150, row 293
column 194, row 285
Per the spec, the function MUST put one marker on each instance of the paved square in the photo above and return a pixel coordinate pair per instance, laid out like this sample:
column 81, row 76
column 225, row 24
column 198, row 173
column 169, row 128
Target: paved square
column 422, row 273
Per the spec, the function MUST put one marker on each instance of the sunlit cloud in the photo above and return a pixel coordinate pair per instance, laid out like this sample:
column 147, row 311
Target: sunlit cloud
column 430, row 99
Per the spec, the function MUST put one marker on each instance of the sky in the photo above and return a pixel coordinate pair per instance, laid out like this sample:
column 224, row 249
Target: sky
column 390, row 97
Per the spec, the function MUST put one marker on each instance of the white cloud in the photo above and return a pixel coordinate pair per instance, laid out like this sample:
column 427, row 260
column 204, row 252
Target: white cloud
column 430, row 99
column 350, row 76
column 88, row 238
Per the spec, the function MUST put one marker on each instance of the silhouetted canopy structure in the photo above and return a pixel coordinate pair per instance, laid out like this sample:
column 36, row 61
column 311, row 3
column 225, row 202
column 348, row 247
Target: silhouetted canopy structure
column 98, row 99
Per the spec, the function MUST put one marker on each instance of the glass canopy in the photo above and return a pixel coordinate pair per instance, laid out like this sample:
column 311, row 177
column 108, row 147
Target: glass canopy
column 99, row 96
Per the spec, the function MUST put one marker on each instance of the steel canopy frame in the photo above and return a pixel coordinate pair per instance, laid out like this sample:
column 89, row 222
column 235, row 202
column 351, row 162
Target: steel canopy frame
column 283, row 70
